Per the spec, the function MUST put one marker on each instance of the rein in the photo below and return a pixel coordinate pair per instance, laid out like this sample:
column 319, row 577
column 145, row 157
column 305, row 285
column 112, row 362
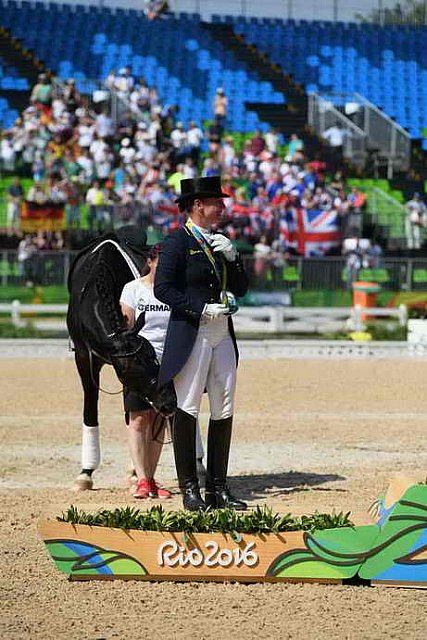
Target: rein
column 97, row 386
column 157, row 429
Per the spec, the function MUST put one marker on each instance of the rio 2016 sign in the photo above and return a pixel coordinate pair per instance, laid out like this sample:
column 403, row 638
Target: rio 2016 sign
column 392, row 552
column 171, row 554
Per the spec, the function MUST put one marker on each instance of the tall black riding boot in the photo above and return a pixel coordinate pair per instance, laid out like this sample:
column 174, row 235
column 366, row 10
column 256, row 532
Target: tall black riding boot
column 184, row 447
column 217, row 493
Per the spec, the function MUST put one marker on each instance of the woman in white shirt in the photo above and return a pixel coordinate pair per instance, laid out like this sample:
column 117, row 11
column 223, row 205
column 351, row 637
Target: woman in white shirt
column 138, row 298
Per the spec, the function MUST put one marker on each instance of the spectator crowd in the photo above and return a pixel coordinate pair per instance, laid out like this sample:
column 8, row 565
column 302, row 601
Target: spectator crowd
column 129, row 168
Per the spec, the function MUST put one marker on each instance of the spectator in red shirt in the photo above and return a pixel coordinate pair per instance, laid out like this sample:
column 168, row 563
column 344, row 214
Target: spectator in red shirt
column 257, row 143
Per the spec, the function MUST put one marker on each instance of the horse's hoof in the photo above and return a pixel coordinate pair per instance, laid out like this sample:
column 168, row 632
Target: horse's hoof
column 83, row 482
column 131, row 479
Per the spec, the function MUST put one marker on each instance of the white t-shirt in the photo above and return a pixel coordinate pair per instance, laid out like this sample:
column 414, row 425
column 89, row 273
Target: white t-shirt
column 178, row 138
column 140, row 297
column 229, row 154
column 104, row 126
column 271, row 141
column 98, row 149
column 335, row 136
column 194, row 136
column 127, row 154
column 87, row 164
column 86, row 134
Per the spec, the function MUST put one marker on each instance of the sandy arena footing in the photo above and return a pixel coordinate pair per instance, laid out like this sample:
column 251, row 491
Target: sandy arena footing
column 309, row 435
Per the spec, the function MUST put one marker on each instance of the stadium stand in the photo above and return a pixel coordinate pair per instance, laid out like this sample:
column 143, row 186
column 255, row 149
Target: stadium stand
column 187, row 67
column 292, row 200
column 8, row 115
column 386, row 64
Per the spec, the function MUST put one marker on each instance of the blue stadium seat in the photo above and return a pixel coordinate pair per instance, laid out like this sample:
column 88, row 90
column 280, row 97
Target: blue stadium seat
column 189, row 57
column 386, row 64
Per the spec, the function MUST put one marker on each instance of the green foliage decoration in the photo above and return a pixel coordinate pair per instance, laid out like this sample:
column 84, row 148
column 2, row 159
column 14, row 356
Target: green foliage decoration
column 261, row 520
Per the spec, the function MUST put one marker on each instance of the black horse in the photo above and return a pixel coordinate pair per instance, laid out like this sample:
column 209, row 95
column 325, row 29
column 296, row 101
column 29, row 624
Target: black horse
column 96, row 327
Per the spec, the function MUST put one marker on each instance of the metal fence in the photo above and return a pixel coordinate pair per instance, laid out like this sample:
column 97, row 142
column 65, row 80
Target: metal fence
column 388, row 143
column 51, row 268
column 98, row 97
column 388, row 212
column 322, row 114
column 388, row 135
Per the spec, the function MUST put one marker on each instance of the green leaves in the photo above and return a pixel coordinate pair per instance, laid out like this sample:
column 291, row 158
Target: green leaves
column 260, row 520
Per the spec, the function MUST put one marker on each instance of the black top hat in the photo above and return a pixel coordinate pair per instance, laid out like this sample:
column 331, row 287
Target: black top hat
column 192, row 188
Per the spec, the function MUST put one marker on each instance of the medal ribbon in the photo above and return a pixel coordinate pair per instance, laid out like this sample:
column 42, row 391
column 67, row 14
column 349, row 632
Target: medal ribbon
column 217, row 264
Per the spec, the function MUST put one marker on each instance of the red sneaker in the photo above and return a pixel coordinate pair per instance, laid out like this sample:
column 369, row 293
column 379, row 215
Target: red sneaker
column 142, row 489
column 156, row 491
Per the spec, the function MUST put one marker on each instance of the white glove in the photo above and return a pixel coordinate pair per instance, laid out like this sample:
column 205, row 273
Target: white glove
column 213, row 311
column 219, row 242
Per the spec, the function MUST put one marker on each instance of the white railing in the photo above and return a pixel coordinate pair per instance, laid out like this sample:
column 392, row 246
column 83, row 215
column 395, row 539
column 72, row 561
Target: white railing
column 115, row 103
column 359, row 314
column 311, row 319
column 17, row 310
column 264, row 319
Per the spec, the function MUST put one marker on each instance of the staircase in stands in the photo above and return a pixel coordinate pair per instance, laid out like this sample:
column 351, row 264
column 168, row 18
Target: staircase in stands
column 288, row 118
column 25, row 62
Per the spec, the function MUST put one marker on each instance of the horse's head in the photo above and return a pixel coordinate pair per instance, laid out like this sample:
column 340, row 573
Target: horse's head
column 136, row 365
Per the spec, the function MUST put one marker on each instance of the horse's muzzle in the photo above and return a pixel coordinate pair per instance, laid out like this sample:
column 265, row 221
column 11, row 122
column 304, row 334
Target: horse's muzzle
column 165, row 400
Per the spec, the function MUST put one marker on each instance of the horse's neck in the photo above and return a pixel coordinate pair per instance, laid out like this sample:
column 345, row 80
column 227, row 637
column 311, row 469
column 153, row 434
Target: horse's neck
column 109, row 289
column 126, row 253
column 98, row 280
column 99, row 310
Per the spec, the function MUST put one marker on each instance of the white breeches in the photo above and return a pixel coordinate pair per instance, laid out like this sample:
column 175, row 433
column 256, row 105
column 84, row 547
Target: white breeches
column 211, row 366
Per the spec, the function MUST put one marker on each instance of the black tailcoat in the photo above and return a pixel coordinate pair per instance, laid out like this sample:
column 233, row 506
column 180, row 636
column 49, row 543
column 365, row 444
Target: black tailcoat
column 186, row 281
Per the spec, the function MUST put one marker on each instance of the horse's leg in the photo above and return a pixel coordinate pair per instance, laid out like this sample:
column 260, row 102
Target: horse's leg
column 91, row 450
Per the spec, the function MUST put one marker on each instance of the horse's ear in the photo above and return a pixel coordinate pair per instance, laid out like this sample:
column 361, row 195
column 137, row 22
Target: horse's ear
column 138, row 324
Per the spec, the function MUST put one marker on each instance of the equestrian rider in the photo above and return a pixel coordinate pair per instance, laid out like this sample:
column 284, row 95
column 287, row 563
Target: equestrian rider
column 198, row 275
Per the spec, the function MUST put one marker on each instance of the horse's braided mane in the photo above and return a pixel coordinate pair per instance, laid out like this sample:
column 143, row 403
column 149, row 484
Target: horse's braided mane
column 104, row 283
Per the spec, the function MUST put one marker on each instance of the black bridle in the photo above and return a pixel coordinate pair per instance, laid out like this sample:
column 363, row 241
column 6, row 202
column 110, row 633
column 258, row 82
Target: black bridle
column 160, row 420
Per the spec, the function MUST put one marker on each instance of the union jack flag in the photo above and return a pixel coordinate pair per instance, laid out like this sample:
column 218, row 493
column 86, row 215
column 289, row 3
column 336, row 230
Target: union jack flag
column 311, row 232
